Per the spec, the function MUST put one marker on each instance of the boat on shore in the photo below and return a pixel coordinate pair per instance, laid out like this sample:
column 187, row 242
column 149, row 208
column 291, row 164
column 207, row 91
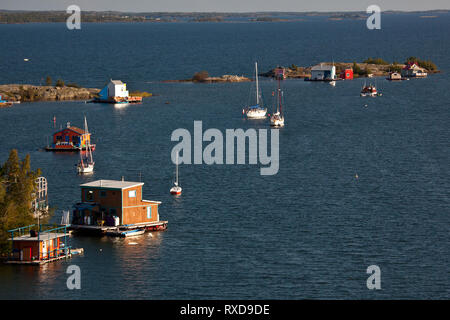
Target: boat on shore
column 256, row 111
column 5, row 103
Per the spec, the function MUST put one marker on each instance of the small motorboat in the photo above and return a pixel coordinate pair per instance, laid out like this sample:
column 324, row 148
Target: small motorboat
column 132, row 233
column 369, row 91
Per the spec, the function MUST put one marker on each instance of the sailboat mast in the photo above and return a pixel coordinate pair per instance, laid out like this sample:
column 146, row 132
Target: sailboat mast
column 257, row 86
column 86, row 130
column 279, row 96
column 177, row 170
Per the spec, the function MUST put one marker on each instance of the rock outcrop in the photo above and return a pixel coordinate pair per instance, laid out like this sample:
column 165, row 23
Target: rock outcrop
column 27, row 93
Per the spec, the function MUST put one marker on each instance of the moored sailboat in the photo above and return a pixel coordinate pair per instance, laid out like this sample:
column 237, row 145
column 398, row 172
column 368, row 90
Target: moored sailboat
column 277, row 118
column 256, row 111
column 176, row 189
column 86, row 164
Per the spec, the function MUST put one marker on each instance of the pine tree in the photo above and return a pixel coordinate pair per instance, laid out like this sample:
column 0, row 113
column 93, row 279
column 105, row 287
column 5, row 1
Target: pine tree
column 17, row 187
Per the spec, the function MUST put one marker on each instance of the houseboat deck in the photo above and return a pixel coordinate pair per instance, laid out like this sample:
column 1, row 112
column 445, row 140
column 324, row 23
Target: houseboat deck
column 101, row 230
column 39, row 262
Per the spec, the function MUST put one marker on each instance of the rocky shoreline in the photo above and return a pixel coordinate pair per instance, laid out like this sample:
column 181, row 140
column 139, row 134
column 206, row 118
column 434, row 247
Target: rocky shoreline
column 370, row 69
column 224, row 78
column 29, row 93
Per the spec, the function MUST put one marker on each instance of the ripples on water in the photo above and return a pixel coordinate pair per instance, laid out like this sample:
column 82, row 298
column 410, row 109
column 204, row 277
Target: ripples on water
column 308, row 232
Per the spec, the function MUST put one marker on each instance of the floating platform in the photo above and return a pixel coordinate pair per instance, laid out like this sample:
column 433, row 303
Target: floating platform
column 69, row 148
column 104, row 230
column 72, row 252
column 131, row 99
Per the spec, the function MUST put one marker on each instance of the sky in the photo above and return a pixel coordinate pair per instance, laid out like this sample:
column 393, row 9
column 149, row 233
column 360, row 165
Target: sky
column 224, row 5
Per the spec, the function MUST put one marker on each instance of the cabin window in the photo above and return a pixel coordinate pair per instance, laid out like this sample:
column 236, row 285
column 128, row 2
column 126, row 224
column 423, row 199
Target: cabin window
column 149, row 212
column 102, row 194
column 132, row 194
column 89, row 195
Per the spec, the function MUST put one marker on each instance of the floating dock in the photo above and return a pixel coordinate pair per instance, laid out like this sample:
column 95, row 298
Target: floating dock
column 110, row 230
column 33, row 245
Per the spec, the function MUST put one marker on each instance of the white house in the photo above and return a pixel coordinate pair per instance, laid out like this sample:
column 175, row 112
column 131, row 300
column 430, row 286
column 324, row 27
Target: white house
column 413, row 70
column 117, row 88
column 323, row 72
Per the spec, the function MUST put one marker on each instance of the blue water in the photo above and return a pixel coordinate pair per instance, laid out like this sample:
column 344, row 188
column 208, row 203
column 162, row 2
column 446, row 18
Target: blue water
column 310, row 231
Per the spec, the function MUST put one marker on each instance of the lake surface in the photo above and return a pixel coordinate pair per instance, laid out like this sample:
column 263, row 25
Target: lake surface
column 309, row 231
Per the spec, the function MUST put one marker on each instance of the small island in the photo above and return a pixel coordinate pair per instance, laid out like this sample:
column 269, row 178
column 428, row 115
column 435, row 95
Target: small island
column 371, row 67
column 203, row 77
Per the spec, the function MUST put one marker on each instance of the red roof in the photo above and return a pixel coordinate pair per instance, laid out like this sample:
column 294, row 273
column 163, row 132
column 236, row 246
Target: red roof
column 409, row 65
column 74, row 129
column 77, row 130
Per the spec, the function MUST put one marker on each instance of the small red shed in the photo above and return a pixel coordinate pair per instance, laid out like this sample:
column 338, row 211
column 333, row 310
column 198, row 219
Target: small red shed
column 347, row 74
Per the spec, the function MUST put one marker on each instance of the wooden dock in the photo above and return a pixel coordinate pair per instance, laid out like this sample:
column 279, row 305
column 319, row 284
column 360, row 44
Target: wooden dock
column 102, row 230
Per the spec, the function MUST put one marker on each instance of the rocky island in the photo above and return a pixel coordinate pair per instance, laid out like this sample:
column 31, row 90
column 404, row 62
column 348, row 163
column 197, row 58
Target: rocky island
column 375, row 67
column 28, row 93
column 204, row 77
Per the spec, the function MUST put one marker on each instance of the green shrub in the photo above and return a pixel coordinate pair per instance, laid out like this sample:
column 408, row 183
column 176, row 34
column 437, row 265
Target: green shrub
column 376, row 61
column 200, row 76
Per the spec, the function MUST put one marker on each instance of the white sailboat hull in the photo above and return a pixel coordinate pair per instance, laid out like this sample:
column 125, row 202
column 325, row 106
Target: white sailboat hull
column 176, row 190
column 86, row 168
column 277, row 122
column 256, row 113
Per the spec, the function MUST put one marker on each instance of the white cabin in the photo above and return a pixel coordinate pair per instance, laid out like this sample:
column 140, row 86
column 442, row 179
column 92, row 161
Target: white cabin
column 117, row 88
column 323, row 72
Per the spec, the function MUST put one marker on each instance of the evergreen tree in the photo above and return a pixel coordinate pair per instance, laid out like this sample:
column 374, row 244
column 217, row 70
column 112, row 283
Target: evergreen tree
column 17, row 188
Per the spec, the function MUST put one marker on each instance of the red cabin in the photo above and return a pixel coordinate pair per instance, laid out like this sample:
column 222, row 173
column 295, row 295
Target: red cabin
column 347, row 74
column 70, row 139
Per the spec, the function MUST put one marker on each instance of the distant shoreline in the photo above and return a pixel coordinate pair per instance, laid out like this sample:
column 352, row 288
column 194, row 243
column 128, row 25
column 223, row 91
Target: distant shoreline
column 23, row 17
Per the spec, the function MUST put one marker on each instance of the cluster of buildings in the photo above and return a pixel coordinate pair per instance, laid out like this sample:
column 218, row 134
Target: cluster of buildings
column 325, row 72
column 107, row 207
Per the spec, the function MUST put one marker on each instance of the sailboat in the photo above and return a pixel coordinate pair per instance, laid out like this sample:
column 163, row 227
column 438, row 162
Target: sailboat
column 176, row 189
column 277, row 118
column 86, row 164
column 256, row 111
